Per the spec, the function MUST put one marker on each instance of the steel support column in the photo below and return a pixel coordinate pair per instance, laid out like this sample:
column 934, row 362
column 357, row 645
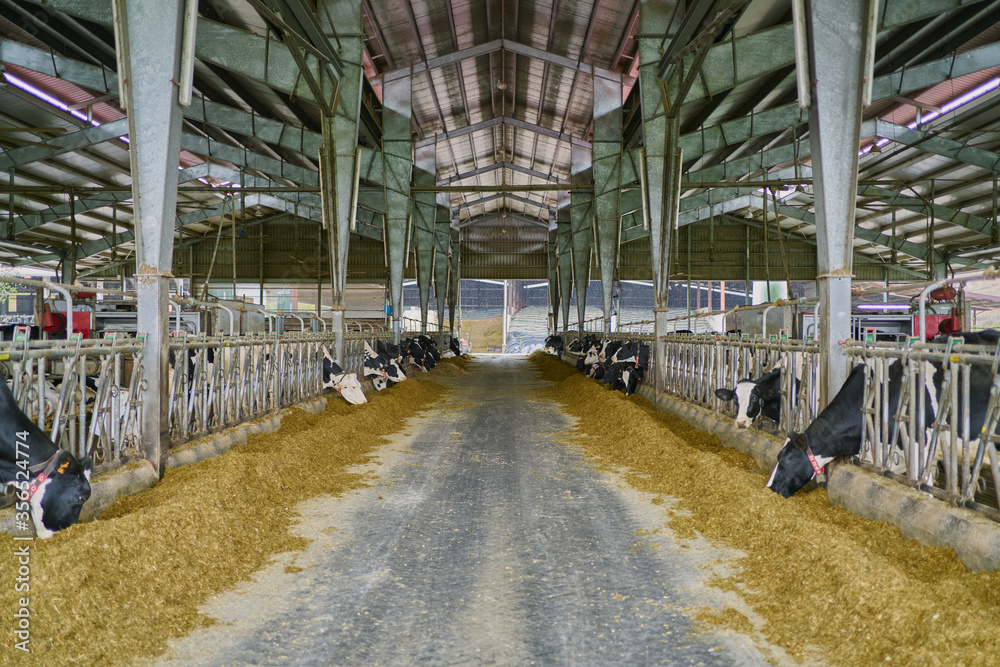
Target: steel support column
column 663, row 159
column 151, row 39
column 454, row 277
column 553, row 280
column 835, row 32
column 424, row 223
column 397, row 151
column 564, row 248
column 442, row 243
column 338, row 177
column 607, row 154
column 582, row 208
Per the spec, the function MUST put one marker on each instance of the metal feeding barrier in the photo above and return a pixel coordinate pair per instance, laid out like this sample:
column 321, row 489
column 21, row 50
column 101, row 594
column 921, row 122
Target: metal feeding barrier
column 939, row 455
column 220, row 381
column 698, row 364
column 926, row 441
column 49, row 379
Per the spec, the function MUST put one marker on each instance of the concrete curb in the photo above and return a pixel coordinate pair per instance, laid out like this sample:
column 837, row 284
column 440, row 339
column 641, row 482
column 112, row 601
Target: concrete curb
column 975, row 539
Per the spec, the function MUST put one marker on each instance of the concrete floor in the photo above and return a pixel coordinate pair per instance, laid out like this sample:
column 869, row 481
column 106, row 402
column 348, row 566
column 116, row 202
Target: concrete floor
column 484, row 540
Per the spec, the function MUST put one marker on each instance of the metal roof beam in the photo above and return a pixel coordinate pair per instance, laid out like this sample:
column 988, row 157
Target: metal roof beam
column 501, row 165
column 502, row 120
column 502, row 195
column 64, row 143
column 277, row 169
column 513, row 217
column 872, row 236
column 485, row 49
column 768, row 50
column 739, row 130
column 939, row 212
column 29, row 221
column 232, row 119
column 233, row 49
column 931, row 143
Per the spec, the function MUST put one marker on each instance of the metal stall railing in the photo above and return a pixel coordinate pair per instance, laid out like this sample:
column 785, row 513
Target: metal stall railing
column 931, row 444
column 929, row 439
column 698, row 364
column 82, row 393
column 220, row 381
column 354, row 348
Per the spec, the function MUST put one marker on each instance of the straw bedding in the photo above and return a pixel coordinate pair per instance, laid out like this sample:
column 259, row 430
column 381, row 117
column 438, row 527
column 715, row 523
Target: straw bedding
column 116, row 589
column 830, row 586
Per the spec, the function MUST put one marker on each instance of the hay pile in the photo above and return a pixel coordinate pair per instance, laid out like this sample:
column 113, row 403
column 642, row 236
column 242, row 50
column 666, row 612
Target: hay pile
column 114, row 590
column 452, row 367
column 483, row 333
column 854, row 590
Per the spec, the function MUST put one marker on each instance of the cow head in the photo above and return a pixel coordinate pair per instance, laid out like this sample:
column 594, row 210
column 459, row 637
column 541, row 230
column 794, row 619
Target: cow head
column 394, row 372
column 794, row 469
column 748, row 396
column 626, row 354
column 57, row 502
column 60, row 483
column 348, row 386
column 418, row 354
column 592, row 356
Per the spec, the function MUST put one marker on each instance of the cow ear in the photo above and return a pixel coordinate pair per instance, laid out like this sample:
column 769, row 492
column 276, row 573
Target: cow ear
column 800, row 441
column 725, row 394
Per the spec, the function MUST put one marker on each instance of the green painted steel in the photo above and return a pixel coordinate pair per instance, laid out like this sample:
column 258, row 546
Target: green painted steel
column 151, row 43
column 237, row 50
column 607, row 166
column 454, row 275
column 564, row 251
column 582, row 208
column 424, row 226
column 918, row 77
column 338, row 154
column 397, row 151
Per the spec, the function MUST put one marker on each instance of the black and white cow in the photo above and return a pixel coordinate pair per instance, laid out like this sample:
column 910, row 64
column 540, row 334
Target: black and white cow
column 430, row 347
column 554, row 344
column 382, row 369
column 836, row 431
column 346, row 384
column 52, row 484
column 626, row 365
column 455, row 346
column 755, row 398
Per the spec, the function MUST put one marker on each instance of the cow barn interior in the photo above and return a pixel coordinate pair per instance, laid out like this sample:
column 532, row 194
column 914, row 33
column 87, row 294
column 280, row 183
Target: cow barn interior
column 499, row 331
